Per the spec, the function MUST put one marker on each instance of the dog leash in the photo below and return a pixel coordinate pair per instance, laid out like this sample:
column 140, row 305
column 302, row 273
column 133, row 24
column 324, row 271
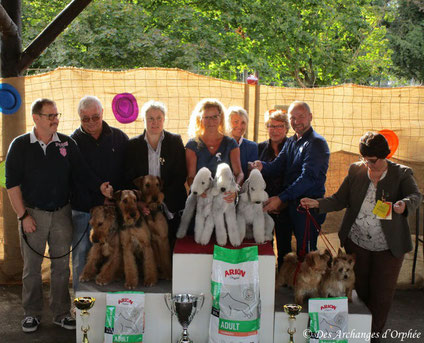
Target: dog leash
column 51, row 257
column 306, row 237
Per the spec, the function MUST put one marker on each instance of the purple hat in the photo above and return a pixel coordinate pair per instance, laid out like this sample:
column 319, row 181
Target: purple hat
column 10, row 99
column 125, row 108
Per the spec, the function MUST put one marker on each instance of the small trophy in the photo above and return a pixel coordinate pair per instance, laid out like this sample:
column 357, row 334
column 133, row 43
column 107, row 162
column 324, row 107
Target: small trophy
column 84, row 304
column 292, row 310
column 184, row 306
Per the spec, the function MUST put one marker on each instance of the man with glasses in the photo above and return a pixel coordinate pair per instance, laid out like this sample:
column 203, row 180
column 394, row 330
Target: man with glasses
column 39, row 166
column 102, row 148
column 303, row 162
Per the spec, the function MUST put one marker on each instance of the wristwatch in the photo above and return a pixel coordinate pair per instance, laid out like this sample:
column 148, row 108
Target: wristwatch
column 26, row 214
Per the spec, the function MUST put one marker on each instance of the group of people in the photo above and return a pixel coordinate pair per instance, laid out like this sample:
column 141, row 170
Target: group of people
column 53, row 180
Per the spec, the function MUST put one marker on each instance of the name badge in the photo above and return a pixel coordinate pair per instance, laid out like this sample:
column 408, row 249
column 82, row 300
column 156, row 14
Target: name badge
column 383, row 210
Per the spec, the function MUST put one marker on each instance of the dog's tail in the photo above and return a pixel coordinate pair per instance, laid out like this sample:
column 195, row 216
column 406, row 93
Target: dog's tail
column 188, row 213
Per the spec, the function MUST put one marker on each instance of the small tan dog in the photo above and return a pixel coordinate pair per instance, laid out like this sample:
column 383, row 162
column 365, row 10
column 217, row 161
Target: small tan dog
column 106, row 250
column 309, row 275
column 152, row 198
column 340, row 279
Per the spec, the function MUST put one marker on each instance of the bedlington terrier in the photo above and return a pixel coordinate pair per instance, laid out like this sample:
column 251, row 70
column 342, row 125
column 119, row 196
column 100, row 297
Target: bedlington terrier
column 250, row 214
column 200, row 199
column 224, row 213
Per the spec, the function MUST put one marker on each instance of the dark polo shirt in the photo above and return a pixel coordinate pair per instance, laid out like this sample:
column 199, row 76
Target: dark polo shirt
column 45, row 179
column 104, row 157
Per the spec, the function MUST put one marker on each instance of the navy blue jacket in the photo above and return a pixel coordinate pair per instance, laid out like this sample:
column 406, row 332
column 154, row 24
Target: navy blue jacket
column 304, row 164
column 274, row 185
column 45, row 179
column 104, row 157
column 248, row 153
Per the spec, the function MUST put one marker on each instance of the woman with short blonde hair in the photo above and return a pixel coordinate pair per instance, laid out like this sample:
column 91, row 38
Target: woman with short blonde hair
column 237, row 123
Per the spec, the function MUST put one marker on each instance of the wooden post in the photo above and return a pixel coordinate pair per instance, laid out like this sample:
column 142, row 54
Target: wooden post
column 257, row 102
column 246, row 98
column 12, row 125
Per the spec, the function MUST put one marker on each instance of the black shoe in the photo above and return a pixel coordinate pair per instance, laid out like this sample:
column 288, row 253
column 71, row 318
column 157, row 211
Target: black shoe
column 67, row 323
column 30, row 324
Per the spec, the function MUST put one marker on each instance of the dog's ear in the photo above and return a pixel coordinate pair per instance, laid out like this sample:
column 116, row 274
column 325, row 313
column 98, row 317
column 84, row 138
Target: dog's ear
column 160, row 182
column 138, row 182
column 117, row 195
column 245, row 186
column 310, row 260
column 340, row 253
column 352, row 259
column 138, row 194
column 327, row 253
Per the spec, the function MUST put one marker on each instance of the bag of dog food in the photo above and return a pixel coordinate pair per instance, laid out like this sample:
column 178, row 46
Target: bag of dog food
column 328, row 320
column 235, row 314
column 124, row 317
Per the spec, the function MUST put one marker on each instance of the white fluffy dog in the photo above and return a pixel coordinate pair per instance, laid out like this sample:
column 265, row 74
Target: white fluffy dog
column 224, row 213
column 250, row 215
column 202, row 183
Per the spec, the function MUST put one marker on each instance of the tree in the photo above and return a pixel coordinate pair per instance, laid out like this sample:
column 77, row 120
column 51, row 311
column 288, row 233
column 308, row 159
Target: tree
column 406, row 36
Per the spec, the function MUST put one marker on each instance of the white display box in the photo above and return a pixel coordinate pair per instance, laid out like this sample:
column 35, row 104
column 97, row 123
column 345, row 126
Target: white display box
column 359, row 318
column 192, row 269
column 157, row 315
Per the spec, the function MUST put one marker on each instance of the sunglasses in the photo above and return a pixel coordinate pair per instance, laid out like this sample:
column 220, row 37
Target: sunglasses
column 94, row 118
column 368, row 161
column 214, row 117
column 51, row 116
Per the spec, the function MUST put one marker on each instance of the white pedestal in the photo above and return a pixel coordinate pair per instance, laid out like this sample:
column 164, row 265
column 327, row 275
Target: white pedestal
column 157, row 316
column 192, row 268
column 359, row 319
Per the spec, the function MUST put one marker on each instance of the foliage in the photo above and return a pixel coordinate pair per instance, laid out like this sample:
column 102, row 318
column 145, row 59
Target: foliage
column 406, row 35
column 310, row 42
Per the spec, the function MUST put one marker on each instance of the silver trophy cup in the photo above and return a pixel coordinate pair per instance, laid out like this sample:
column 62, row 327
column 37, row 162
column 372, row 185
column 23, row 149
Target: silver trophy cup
column 184, row 307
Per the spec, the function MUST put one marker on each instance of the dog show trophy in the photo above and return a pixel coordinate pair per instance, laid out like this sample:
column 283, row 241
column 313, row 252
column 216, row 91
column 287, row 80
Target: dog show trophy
column 292, row 310
column 184, row 306
column 84, row 304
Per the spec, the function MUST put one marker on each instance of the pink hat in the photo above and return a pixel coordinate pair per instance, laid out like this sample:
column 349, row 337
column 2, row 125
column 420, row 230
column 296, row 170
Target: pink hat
column 125, row 108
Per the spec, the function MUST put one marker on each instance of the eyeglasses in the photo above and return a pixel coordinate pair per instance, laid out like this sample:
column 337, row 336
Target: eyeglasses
column 51, row 116
column 368, row 161
column 94, row 118
column 276, row 127
column 214, row 117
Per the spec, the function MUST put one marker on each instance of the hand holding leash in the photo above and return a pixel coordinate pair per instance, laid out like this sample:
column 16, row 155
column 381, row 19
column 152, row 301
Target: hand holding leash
column 28, row 224
column 309, row 203
column 106, row 189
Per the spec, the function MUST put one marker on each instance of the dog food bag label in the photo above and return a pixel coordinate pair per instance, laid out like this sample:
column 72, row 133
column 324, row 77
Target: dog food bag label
column 124, row 317
column 235, row 314
column 329, row 320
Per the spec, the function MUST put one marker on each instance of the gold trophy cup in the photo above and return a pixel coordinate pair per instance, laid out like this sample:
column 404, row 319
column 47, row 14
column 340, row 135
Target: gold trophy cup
column 292, row 310
column 84, row 304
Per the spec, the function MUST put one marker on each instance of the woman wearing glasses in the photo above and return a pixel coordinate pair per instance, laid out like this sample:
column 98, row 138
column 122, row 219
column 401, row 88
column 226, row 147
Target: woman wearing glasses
column 160, row 153
column 277, row 124
column 209, row 145
column 379, row 241
column 237, row 121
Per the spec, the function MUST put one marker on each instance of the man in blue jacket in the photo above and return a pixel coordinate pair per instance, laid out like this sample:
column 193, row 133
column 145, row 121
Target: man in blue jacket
column 304, row 162
column 102, row 148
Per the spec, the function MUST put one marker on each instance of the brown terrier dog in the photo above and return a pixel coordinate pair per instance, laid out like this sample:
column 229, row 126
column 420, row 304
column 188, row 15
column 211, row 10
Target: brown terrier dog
column 135, row 237
column 152, row 198
column 106, row 249
column 340, row 279
column 308, row 276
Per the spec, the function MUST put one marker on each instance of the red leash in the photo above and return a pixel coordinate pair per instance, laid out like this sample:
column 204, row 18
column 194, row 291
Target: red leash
column 306, row 236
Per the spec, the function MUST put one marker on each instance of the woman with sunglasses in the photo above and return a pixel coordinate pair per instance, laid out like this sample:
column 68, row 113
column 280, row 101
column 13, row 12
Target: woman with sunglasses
column 209, row 145
column 378, row 241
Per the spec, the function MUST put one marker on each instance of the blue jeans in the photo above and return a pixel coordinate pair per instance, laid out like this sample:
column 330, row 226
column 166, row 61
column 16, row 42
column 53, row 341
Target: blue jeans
column 79, row 254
